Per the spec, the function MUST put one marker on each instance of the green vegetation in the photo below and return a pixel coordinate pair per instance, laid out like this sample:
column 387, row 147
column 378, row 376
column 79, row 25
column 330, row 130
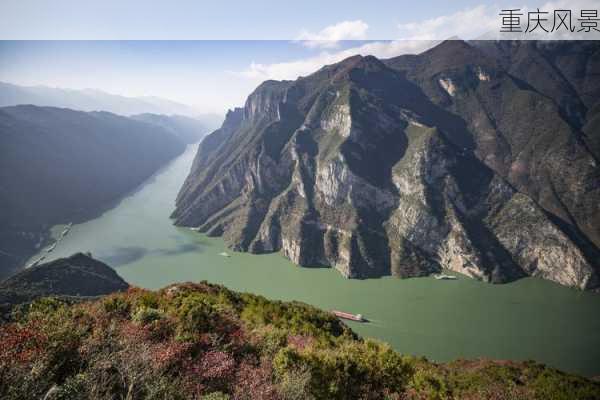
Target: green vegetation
column 202, row 341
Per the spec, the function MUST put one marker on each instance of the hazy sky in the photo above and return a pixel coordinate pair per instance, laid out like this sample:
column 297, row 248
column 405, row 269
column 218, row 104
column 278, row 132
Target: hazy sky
column 210, row 75
column 214, row 75
column 206, row 74
column 197, row 19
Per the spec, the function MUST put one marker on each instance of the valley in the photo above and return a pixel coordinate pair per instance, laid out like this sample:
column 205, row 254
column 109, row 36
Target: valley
column 442, row 320
column 445, row 203
column 59, row 166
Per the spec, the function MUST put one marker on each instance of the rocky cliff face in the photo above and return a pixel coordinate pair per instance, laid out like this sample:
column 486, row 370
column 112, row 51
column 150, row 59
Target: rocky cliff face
column 405, row 166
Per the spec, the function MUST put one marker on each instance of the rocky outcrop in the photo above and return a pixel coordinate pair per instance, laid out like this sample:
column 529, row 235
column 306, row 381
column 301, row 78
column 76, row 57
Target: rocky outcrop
column 405, row 167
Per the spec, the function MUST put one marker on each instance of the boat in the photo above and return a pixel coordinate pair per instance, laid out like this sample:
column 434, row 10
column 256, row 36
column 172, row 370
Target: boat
column 351, row 317
column 445, row 277
column 49, row 249
column 224, row 254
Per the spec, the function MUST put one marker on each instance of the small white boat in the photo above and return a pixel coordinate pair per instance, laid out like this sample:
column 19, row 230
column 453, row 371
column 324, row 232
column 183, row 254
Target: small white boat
column 349, row 316
column 224, row 254
column 445, row 277
column 49, row 249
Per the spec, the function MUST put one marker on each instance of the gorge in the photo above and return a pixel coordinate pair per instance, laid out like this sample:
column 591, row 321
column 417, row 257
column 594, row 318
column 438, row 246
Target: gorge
column 476, row 159
column 479, row 157
column 59, row 166
column 442, row 320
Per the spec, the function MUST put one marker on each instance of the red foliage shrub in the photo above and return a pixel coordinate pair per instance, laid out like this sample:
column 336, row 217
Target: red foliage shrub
column 216, row 365
column 300, row 341
column 213, row 371
column 134, row 332
column 20, row 344
column 168, row 354
column 238, row 337
column 255, row 382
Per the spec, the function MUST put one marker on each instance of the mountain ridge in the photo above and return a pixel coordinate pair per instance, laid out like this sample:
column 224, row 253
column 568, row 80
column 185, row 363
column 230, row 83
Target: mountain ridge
column 78, row 276
column 406, row 166
column 98, row 100
column 59, row 166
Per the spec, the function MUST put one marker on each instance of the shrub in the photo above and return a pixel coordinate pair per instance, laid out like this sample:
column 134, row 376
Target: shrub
column 351, row 369
column 203, row 341
column 41, row 308
column 148, row 299
column 215, row 396
column 430, row 385
column 74, row 388
column 254, row 381
column 145, row 315
column 163, row 388
column 554, row 385
column 294, row 317
column 117, row 305
column 270, row 339
column 197, row 315
column 294, row 384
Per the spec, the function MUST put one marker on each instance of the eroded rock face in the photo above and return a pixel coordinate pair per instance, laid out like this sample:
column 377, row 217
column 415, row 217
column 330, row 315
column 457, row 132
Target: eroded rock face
column 379, row 169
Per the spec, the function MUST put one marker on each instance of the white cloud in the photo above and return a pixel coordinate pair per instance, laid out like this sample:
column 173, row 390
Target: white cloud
column 466, row 24
column 330, row 36
column 302, row 67
column 482, row 21
column 485, row 22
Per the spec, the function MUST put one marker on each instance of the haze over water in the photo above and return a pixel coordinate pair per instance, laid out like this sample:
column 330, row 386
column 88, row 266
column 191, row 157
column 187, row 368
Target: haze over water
column 442, row 320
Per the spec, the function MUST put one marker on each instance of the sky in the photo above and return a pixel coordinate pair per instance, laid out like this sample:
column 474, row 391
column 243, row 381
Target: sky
column 209, row 75
column 211, row 55
column 197, row 19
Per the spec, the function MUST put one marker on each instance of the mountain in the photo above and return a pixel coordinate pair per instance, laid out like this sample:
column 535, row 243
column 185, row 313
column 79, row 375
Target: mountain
column 77, row 276
column 203, row 341
column 480, row 158
column 188, row 130
column 59, row 166
column 97, row 100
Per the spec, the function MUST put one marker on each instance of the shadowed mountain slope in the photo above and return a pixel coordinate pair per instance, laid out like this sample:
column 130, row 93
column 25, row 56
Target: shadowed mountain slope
column 76, row 276
column 59, row 166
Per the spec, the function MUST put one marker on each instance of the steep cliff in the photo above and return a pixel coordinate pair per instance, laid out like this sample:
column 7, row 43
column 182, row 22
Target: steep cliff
column 440, row 160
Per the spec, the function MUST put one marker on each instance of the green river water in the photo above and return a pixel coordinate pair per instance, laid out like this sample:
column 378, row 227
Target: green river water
column 442, row 320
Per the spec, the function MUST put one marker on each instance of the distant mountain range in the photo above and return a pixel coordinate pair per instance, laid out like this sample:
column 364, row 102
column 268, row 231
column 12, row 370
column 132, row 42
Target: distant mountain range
column 96, row 100
column 481, row 157
column 188, row 130
column 59, row 165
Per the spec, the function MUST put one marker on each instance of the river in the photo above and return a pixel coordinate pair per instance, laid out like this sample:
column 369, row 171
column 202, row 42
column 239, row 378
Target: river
column 442, row 320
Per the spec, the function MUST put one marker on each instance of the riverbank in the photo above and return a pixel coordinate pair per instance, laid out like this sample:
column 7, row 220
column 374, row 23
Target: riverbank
column 443, row 320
